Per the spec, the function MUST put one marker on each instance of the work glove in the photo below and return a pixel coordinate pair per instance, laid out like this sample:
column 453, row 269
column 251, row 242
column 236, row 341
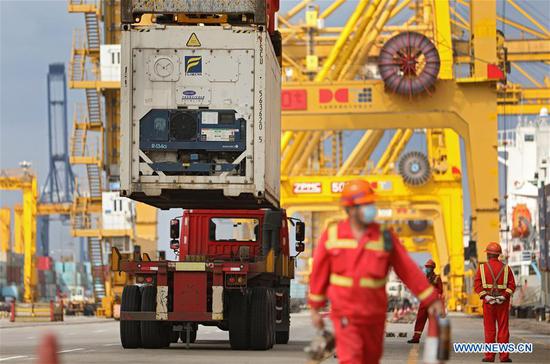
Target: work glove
column 490, row 299
column 500, row 299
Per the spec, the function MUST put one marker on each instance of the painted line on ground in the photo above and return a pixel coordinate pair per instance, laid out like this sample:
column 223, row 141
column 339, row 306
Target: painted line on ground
column 14, row 357
column 114, row 344
column 69, row 350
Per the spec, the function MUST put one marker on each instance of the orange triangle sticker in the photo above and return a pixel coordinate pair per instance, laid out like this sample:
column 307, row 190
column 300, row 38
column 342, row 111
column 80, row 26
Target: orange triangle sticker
column 193, row 41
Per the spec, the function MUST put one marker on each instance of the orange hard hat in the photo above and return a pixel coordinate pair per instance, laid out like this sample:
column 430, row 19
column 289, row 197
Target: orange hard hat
column 493, row 248
column 357, row 192
column 430, row 264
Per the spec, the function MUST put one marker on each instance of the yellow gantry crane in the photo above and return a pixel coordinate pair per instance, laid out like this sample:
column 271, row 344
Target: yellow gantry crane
column 95, row 145
column 317, row 188
column 5, row 229
column 24, row 242
column 347, row 96
column 23, row 180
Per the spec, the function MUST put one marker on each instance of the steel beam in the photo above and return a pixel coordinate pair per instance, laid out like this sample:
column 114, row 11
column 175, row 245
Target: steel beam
column 469, row 109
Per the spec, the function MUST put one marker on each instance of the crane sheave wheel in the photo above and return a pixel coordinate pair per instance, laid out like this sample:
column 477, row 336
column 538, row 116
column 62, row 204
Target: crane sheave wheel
column 415, row 169
column 409, row 64
column 418, row 225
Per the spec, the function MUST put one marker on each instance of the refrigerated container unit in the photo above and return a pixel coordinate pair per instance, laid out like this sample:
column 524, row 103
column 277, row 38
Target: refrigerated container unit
column 200, row 122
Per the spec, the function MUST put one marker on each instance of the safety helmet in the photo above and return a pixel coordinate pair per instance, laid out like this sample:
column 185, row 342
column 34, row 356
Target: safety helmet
column 357, row 192
column 493, row 248
column 430, row 264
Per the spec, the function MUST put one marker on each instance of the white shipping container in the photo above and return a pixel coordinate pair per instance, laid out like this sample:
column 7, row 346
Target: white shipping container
column 200, row 109
column 117, row 212
column 109, row 62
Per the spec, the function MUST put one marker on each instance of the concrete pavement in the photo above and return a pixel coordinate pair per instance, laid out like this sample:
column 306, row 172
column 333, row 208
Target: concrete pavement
column 97, row 341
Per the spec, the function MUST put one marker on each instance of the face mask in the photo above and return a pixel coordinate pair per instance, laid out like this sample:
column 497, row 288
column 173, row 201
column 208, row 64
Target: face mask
column 428, row 271
column 367, row 213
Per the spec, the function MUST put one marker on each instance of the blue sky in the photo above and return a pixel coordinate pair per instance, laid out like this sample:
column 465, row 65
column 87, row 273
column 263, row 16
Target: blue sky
column 34, row 34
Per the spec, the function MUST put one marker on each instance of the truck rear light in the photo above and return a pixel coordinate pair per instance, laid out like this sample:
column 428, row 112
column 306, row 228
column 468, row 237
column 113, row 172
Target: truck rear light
column 145, row 279
column 174, row 244
column 235, row 280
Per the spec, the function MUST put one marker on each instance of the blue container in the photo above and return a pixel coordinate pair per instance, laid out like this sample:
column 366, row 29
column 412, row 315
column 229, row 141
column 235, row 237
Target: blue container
column 11, row 291
column 70, row 267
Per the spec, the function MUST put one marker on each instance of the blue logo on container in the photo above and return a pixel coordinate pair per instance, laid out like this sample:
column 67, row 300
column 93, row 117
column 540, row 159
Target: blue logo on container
column 193, row 65
column 189, row 93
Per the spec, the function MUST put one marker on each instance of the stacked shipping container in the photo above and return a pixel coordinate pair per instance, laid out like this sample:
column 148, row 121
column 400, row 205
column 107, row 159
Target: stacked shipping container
column 11, row 274
column 72, row 274
column 52, row 278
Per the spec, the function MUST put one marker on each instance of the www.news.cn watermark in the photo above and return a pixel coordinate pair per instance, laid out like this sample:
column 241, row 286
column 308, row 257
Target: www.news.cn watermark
column 512, row 348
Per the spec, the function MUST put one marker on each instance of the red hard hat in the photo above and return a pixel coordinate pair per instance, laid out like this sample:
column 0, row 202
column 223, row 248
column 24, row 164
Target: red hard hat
column 357, row 192
column 430, row 264
column 493, row 248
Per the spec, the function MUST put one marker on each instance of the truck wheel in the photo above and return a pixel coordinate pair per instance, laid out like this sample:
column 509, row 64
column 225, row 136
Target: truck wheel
column 261, row 325
column 238, row 321
column 130, row 334
column 154, row 334
column 282, row 337
column 192, row 336
column 272, row 318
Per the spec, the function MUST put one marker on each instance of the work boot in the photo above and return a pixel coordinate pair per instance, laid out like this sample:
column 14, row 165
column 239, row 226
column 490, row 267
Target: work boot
column 508, row 360
column 487, row 360
column 414, row 340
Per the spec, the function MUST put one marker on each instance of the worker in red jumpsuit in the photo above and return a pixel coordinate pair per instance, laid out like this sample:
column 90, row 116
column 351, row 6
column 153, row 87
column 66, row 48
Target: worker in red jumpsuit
column 350, row 269
column 495, row 284
column 422, row 315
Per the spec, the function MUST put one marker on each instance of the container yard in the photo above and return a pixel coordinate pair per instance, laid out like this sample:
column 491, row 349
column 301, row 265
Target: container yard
column 285, row 181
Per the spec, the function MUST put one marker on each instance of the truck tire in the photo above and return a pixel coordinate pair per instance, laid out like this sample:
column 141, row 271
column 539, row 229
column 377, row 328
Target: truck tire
column 154, row 334
column 130, row 331
column 272, row 318
column 282, row 337
column 262, row 322
column 239, row 334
